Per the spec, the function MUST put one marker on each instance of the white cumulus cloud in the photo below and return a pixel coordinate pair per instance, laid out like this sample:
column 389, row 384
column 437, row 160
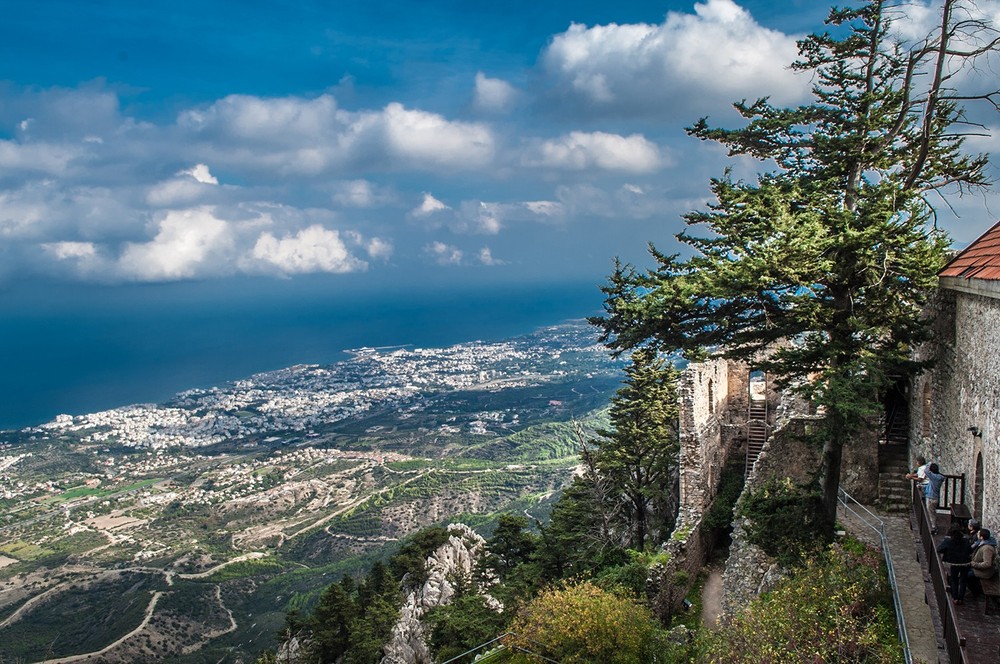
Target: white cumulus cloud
column 297, row 135
column 313, row 249
column 187, row 187
column 201, row 173
column 596, row 150
column 422, row 137
column 493, row 95
column 444, row 254
column 717, row 55
column 379, row 248
column 486, row 257
column 70, row 250
column 428, row 206
column 45, row 157
column 188, row 243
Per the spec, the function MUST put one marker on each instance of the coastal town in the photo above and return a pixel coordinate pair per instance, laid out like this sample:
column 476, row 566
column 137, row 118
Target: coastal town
column 245, row 497
column 302, row 400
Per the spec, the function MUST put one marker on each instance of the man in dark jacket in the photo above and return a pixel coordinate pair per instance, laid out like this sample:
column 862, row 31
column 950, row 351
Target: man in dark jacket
column 957, row 552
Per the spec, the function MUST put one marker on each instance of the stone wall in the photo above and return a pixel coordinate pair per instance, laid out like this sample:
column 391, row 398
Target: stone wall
column 962, row 391
column 712, row 396
column 714, row 400
column 713, row 404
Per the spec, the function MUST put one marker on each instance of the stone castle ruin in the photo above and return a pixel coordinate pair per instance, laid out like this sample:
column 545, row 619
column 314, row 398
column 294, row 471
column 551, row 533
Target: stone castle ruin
column 731, row 414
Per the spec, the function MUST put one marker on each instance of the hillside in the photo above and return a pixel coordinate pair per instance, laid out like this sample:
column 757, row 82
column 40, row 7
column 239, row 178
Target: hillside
column 185, row 531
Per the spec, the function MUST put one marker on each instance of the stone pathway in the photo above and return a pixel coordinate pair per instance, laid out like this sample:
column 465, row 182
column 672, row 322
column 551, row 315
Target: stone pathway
column 913, row 583
column 711, row 598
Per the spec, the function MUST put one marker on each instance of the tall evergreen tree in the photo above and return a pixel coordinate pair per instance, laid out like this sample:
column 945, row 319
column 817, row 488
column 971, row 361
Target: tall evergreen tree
column 639, row 452
column 836, row 249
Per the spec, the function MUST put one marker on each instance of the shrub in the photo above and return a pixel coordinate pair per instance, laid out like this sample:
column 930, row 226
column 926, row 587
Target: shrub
column 785, row 520
column 582, row 623
column 837, row 608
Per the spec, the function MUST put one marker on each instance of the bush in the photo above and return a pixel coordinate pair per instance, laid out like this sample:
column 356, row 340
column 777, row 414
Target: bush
column 462, row 625
column 786, row 521
column 720, row 514
column 582, row 623
column 837, row 608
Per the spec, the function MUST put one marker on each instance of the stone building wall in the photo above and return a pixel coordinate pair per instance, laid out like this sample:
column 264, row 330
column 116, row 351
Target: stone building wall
column 962, row 392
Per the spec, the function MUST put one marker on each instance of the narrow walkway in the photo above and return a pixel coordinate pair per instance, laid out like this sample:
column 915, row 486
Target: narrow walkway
column 904, row 544
column 711, row 598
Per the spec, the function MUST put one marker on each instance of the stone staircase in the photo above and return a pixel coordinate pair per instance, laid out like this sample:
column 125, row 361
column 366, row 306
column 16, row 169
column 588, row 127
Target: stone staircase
column 756, row 433
column 894, row 489
column 897, row 428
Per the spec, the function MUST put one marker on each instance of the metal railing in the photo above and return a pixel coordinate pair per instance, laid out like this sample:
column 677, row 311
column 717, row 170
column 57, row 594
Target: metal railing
column 858, row 511
column 495, row 647
column 949, row 619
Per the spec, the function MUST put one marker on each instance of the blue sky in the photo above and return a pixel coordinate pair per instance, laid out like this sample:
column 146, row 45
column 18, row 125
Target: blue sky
column 177, row 141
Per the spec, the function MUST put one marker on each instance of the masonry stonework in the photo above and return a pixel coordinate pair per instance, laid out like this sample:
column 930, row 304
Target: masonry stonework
column 956, row 406
column 713, row 399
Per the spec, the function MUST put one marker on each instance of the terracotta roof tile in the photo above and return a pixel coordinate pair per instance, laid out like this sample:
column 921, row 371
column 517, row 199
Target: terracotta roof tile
column 980, row 260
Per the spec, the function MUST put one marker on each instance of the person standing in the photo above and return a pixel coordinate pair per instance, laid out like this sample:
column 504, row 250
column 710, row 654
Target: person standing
column 932, row 493
column 920, row 474
column 956, row 550
column 982, row 561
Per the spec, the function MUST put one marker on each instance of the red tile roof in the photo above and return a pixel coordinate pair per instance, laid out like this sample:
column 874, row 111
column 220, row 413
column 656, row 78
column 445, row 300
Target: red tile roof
column 980, row 260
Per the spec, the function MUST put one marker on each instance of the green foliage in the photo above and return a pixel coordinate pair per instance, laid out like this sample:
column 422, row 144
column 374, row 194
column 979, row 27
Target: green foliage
column 352, row 620
column 82, row 617
column 511, row 545
column 837, row 608
column 462, row 625
column 637, row 455
column 248, row 568
column 836, row 248
column 409, row 563
column 266, row 657
column 720, row 514
column 785, row 520
column 629, row 578
column 332, row 619
column 581, row 623
column 540, row 442
column 574, row 541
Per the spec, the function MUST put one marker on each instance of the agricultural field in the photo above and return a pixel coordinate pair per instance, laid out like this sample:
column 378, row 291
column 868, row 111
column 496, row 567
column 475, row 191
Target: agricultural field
column 184, row 532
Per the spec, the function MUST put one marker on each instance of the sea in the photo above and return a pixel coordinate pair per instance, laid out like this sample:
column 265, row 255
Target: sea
column 75, row 348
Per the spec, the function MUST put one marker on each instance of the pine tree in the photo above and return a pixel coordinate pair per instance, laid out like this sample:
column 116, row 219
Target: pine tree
column 638, row 454
column 835, row 250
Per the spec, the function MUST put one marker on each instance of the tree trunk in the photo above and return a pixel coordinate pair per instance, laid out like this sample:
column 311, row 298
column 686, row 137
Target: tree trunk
column 638, row 504
column 833, row 452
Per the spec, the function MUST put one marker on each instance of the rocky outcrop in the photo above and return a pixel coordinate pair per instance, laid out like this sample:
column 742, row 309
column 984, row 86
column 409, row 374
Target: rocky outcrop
column 456, row 558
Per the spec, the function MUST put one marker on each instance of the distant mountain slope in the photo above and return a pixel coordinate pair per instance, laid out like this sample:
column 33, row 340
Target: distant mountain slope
column 297, row 476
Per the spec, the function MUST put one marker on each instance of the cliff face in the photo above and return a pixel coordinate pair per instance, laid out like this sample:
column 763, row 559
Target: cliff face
column 455, row 558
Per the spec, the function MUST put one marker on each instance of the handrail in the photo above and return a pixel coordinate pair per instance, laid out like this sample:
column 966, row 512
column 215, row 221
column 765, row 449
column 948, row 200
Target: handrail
column 498, row 649
column 846, row 500
column 949, row 620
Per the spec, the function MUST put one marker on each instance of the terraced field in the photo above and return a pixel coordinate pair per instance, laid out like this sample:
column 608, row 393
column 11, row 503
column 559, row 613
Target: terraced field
column 195, row 554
